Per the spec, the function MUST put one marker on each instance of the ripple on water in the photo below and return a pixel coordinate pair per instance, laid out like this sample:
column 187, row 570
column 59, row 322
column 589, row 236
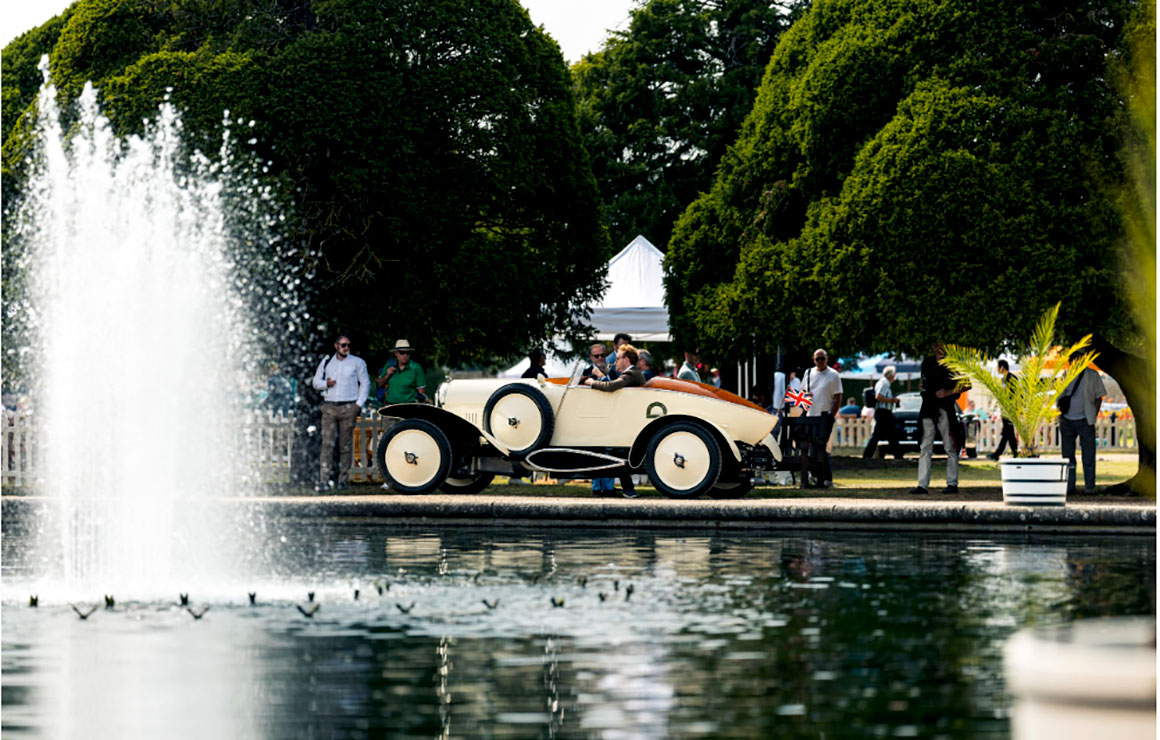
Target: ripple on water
column 677, row 659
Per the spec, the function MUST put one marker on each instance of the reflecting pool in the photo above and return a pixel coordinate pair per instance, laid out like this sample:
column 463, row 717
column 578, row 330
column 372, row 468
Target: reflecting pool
column 560, row 633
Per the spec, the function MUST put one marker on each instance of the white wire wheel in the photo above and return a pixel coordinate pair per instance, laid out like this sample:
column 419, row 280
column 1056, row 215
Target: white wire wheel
column 414, row 456
column 683, row 460
column 520, row 418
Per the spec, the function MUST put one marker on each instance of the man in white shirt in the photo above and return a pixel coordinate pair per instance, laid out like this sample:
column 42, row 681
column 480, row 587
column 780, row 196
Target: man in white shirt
column 825, row 385
column 344, row 383
column 884, row 403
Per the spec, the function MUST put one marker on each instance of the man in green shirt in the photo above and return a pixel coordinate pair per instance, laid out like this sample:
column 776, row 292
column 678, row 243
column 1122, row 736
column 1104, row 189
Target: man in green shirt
column 403, row 380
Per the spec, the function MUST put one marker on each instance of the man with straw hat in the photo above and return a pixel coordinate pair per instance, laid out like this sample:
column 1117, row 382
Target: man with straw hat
column 402, row 379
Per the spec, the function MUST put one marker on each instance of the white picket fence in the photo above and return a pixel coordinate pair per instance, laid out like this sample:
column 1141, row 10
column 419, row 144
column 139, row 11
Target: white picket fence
column 268, row 440
column 1110, row 435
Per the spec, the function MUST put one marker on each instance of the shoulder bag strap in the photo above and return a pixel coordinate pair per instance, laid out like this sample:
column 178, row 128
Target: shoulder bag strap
column 1076, row 384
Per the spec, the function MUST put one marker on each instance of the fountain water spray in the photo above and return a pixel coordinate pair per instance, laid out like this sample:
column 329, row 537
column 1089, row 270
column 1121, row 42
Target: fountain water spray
column 140, row 349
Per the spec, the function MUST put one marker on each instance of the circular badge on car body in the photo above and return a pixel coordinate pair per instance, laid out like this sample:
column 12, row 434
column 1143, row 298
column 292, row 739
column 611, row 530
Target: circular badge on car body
column 648, row 412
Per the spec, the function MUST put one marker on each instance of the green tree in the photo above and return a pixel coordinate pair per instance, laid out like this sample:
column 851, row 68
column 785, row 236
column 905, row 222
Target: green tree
column 660, row 103
column 430, row 151
column 915, row 171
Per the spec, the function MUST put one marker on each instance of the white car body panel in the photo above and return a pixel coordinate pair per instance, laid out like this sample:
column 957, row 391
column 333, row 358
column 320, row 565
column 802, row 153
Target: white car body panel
column 587, row 417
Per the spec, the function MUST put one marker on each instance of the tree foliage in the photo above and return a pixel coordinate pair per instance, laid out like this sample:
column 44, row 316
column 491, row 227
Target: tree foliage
column 430, row 149
column 911, row 171
column 661, row 101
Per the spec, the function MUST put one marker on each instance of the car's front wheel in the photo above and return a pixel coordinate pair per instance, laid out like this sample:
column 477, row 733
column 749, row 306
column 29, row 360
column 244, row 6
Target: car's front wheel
column 414, row 456
column 683, row 460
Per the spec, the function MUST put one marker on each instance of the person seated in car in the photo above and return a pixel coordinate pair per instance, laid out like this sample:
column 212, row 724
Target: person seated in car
column 645, row 365
column 629, row 377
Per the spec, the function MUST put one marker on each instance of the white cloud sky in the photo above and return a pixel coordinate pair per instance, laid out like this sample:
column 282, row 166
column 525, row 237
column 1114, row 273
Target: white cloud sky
column 23, row 15
column 579, row 26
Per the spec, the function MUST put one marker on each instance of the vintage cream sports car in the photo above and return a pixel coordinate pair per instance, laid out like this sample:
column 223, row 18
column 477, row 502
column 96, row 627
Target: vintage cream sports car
column 691, row 438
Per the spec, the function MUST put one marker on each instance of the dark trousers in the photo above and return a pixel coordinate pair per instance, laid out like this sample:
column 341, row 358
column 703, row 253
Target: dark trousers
column 1069, row 429
column 820, row 449
column 884, row 431
column 1006, row 437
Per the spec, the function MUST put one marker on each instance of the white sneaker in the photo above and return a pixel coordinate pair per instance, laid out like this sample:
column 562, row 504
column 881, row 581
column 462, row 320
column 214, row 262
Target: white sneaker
column 386, row 486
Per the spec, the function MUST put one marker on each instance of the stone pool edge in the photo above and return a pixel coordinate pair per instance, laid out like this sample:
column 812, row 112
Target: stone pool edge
column 878, row 514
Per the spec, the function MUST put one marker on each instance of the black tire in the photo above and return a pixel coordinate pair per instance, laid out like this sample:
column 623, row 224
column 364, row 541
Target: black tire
column 736, row 489
column 417, row 444
column 474, row 484
column 683, row 460
column 519, row 405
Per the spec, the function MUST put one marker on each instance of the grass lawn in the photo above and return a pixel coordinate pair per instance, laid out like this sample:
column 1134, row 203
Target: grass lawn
column 979, row 480
column 856, row 473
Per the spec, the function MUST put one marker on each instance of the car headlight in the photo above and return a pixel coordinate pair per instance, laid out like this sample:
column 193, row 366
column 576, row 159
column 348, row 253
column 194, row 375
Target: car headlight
column 441, row 393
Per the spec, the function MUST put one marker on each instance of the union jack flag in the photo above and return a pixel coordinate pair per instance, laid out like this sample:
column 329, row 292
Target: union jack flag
column 800, row 398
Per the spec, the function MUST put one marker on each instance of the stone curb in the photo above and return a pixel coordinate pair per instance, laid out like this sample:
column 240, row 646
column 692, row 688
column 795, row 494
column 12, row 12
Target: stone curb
column 878, row 514
column 800, row 513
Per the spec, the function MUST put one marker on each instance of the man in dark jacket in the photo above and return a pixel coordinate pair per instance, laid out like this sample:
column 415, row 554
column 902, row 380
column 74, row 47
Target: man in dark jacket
column 536, row 362
column 939, row 391
column 1007, row 437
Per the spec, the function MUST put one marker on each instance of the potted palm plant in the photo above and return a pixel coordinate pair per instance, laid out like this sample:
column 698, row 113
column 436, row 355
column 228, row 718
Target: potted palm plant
column 1028, row 400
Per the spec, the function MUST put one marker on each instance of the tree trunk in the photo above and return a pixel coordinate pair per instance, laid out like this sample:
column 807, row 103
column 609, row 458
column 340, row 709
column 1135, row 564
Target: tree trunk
column 1137, row 377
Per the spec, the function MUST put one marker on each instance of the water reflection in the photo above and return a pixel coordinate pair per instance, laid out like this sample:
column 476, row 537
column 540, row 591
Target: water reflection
column 723, row 635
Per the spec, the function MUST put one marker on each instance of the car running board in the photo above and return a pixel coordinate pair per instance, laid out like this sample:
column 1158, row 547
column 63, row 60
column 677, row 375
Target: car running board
column 565, row 460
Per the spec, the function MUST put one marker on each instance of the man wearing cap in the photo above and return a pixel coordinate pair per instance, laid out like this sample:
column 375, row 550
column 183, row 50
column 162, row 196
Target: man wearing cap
column 343, row 381
column 403, row 379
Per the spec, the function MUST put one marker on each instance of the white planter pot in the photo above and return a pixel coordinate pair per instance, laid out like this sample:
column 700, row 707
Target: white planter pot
column 1093, row 678
column 1034, row 481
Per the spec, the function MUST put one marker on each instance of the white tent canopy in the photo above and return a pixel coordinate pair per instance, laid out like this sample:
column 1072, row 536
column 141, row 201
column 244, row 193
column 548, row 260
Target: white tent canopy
column 634, row 304
column 635, row 300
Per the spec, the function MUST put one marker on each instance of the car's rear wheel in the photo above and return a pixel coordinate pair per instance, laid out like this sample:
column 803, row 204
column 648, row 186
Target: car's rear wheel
column 520, row 418
column 736, row 489
column 414, row 456
column 472, row 484
column 683, row 460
